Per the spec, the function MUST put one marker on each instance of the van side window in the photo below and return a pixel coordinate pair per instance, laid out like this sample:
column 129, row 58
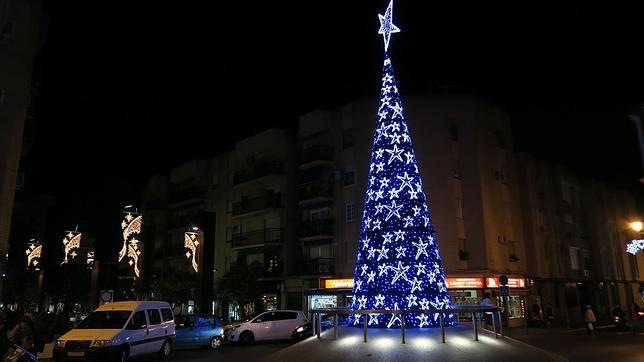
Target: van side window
column 154, row 316
column 167, row 314
column 138, row 321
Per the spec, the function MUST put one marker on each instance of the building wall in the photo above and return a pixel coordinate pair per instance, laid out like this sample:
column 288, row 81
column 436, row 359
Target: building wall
column 20, row 38
column 576, row 229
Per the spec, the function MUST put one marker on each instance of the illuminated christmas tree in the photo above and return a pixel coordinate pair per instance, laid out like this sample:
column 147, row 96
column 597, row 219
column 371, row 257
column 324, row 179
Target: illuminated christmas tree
column 398, row 265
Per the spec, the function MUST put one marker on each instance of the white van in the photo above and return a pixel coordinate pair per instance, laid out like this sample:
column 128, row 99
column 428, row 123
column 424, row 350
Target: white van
column 116, row 331
column 274, row 324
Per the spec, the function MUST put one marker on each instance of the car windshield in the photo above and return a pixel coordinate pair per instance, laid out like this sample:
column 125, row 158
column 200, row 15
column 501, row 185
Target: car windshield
column 107, row 319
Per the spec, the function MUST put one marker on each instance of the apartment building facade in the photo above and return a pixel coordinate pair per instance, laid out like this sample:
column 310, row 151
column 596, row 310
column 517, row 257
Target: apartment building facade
column 287, row 205
column 576, row 229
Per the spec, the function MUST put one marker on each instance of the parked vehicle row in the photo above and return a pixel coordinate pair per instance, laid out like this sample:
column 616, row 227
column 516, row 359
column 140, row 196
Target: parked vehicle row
column 120, row 330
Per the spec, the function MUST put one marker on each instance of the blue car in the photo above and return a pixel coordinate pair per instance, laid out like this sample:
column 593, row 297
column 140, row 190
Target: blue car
column 199, row 330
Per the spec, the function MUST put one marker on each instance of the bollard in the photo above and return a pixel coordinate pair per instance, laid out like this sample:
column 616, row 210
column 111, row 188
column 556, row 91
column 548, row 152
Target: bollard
column 494, row 325
column 318, row 322
column 402, row 328
column 335, row 326
column 476, row 331
column 364, row 330
column 498, row 314
column 440, row 316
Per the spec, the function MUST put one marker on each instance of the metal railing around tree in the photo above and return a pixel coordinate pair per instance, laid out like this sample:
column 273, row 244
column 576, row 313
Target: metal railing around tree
column 475, row 311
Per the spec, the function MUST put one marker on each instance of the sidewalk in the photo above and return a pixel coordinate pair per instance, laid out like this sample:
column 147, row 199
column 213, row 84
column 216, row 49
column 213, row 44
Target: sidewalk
column 605, row 344
column 423, row 344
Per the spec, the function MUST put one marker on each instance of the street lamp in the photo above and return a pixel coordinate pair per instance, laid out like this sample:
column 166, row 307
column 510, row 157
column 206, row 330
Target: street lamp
column 637, row 226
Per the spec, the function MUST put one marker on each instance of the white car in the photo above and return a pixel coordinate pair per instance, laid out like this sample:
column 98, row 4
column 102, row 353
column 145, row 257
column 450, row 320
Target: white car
column 274, row 324
column 119, row 330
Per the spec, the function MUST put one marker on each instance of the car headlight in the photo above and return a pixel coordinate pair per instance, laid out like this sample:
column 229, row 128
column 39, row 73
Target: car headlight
column 60, row 343
column 101, row 343
column 299, row 329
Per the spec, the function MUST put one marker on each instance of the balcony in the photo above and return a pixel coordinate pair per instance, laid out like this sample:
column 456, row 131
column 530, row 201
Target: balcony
column 270, row 237
column 191, row 195
column 257, row 170
column 315, row 155
column 314, row 193
column 316, row 230
column 257, row 204
column 317, row 266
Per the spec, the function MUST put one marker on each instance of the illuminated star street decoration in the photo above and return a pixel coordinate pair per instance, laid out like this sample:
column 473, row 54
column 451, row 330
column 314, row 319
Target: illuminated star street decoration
column 386, row 25
column 191, row 243
column 71, row 244
column 131, row 249
column 635, row 246
column 398, row 244
column 33, row 253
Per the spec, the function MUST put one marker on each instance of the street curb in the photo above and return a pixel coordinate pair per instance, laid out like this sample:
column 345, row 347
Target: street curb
column 554, row 356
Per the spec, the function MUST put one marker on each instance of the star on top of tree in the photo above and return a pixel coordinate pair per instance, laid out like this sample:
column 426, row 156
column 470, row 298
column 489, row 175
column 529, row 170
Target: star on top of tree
column 386, row 25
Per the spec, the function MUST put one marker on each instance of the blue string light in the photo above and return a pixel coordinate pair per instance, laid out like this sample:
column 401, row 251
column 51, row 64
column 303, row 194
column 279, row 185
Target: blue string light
column 398, row 265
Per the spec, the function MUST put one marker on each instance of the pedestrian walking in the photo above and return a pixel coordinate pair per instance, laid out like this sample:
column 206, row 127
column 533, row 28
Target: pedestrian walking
column 589, row 316
column 24, row 330
column 550, row 314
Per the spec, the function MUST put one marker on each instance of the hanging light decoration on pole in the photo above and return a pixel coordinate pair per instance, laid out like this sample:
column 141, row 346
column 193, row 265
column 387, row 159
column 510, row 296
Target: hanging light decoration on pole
column 131, row 249
column 71, row 245
column 33, row 253
column 191, row 243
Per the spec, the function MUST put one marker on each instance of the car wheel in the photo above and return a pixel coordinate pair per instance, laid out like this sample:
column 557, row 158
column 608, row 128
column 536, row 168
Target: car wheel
column 166, row 348
column 246, row 337
column 124, row 354
column 215, row 343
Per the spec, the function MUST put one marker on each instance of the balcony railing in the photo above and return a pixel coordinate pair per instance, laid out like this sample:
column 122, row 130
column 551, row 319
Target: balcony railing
column 257, row 170
column 317, row 153
column 317, row 229
column 318, row 266
column 256, row 238
column 258, row 203
column 194, row 193
column 317, row 190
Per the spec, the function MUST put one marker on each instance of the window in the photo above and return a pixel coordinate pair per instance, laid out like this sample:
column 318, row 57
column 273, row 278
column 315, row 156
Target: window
column 453, row 131
column 109, row 319
column 350, row 213
column 566, row 192
column 500, row 139
column 574, row 258
column 154, row 316
column 285, row 315
column 167, row 314
column 347, row 138
column 459, row 208
column 206, row 321
column 138, row 321
column 319, row 214
column 266, row 317
column 348, row 178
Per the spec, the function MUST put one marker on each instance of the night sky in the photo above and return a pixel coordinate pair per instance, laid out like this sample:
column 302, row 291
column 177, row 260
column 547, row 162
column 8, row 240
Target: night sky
column 130, row 90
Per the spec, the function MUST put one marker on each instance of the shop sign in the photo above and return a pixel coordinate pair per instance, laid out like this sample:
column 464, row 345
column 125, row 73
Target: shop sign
column 512, row 282
column 464, row 283
column 338, row 283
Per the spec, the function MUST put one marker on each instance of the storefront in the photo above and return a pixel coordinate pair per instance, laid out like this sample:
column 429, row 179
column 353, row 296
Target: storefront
column 470, row 290
column 333, row 293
